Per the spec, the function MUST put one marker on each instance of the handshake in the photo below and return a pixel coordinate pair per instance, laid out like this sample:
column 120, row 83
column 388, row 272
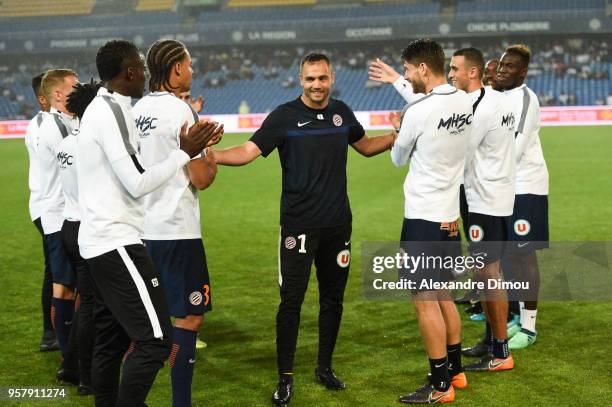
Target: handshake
column 204, row 133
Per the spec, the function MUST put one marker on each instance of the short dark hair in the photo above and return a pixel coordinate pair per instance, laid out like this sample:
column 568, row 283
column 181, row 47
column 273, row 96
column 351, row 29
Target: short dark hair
column 473, row 56
column 314, row 57
column 522, row 51
column 111, row 56
column 425, row 50
column 161, row 57
column 81, row 97
column 37, row 84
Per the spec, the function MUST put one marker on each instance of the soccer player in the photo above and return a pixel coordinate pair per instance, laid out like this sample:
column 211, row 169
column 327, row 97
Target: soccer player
column 172, row 231
column 82, row 332
column 433, row 136
column 312, row 134
column 57, row 84
column 130, row 303
column 379, row 71
column 489, row 189
column 197, row 105
column 48, row 341
column 490, row 75
column 530, row 216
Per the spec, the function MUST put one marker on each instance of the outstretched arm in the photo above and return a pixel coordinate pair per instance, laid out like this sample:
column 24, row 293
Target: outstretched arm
column 381, row 72
column 370, row 146
column 138, row 181
column 238, row 155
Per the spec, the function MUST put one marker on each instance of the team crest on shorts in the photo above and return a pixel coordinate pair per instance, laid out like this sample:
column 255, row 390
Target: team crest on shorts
column 344, row 258
column 290, row 242
column 476, row 233
column 154, row 282
column 522, row 227
column 337, row 119
column 195, row 298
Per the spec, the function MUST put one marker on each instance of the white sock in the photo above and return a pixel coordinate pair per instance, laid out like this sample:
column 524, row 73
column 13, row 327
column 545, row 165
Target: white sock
column 528, row 319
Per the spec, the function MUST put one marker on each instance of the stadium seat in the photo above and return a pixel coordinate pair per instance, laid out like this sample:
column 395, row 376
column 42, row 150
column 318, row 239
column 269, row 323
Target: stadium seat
column 155, row 5
column 264, row 3
column 30, row 8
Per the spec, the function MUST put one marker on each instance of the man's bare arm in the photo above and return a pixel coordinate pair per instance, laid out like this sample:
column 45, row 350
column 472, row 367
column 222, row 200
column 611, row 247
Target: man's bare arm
column 370, row 146
column 238, row 155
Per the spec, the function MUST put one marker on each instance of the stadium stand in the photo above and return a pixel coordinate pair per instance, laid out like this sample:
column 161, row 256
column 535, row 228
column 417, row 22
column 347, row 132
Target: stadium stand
column 263, row 14
column 30, row 8
column 566, row 69
column 485, row 10
column 526, row 6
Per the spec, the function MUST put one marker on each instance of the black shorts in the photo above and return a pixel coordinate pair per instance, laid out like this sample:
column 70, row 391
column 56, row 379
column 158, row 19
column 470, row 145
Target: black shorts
column 328, row 248
column 529, row 228
column 435, row 243
column 70, row 237
column 488, row 236
column 61, row 269
column 184, row 273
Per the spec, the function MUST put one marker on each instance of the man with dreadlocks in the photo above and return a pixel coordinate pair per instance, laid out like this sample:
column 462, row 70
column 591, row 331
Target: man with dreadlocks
column 172, row 230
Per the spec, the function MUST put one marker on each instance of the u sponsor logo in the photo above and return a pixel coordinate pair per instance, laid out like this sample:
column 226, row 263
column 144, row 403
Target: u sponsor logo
column 522, row 227
column 344, row 258
column 476, row 233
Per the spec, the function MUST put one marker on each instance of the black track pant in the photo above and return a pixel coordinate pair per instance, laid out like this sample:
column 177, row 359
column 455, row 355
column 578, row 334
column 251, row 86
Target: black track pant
column 330, row 250
column 130, row 307
column 47, row 286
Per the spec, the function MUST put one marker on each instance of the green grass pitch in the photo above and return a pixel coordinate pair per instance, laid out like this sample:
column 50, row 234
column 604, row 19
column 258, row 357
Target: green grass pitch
column 379, row 352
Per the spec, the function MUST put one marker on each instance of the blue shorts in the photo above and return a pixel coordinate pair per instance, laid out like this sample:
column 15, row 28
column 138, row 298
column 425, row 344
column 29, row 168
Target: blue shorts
column 487, row 235
column 61, row 269
column 182, row 267
column 430, row 240
column 529, row 223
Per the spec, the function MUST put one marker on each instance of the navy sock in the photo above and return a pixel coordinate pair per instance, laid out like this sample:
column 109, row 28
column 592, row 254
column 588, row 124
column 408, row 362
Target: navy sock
column 454, row 359
column 439, row 373
column 183, row 350
column 514, row 308
column 286, row 377
column 488, row 336
column 63, row 312
column 500, row 348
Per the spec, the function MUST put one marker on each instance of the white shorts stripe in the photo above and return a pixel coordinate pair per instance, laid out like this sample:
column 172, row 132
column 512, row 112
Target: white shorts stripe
column 280, row 238
column 142, row 291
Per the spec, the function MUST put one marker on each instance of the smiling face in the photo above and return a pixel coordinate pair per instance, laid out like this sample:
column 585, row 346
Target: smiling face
column 414, row 75
column 459, row 73
column 316, row 79
column 511, row 72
